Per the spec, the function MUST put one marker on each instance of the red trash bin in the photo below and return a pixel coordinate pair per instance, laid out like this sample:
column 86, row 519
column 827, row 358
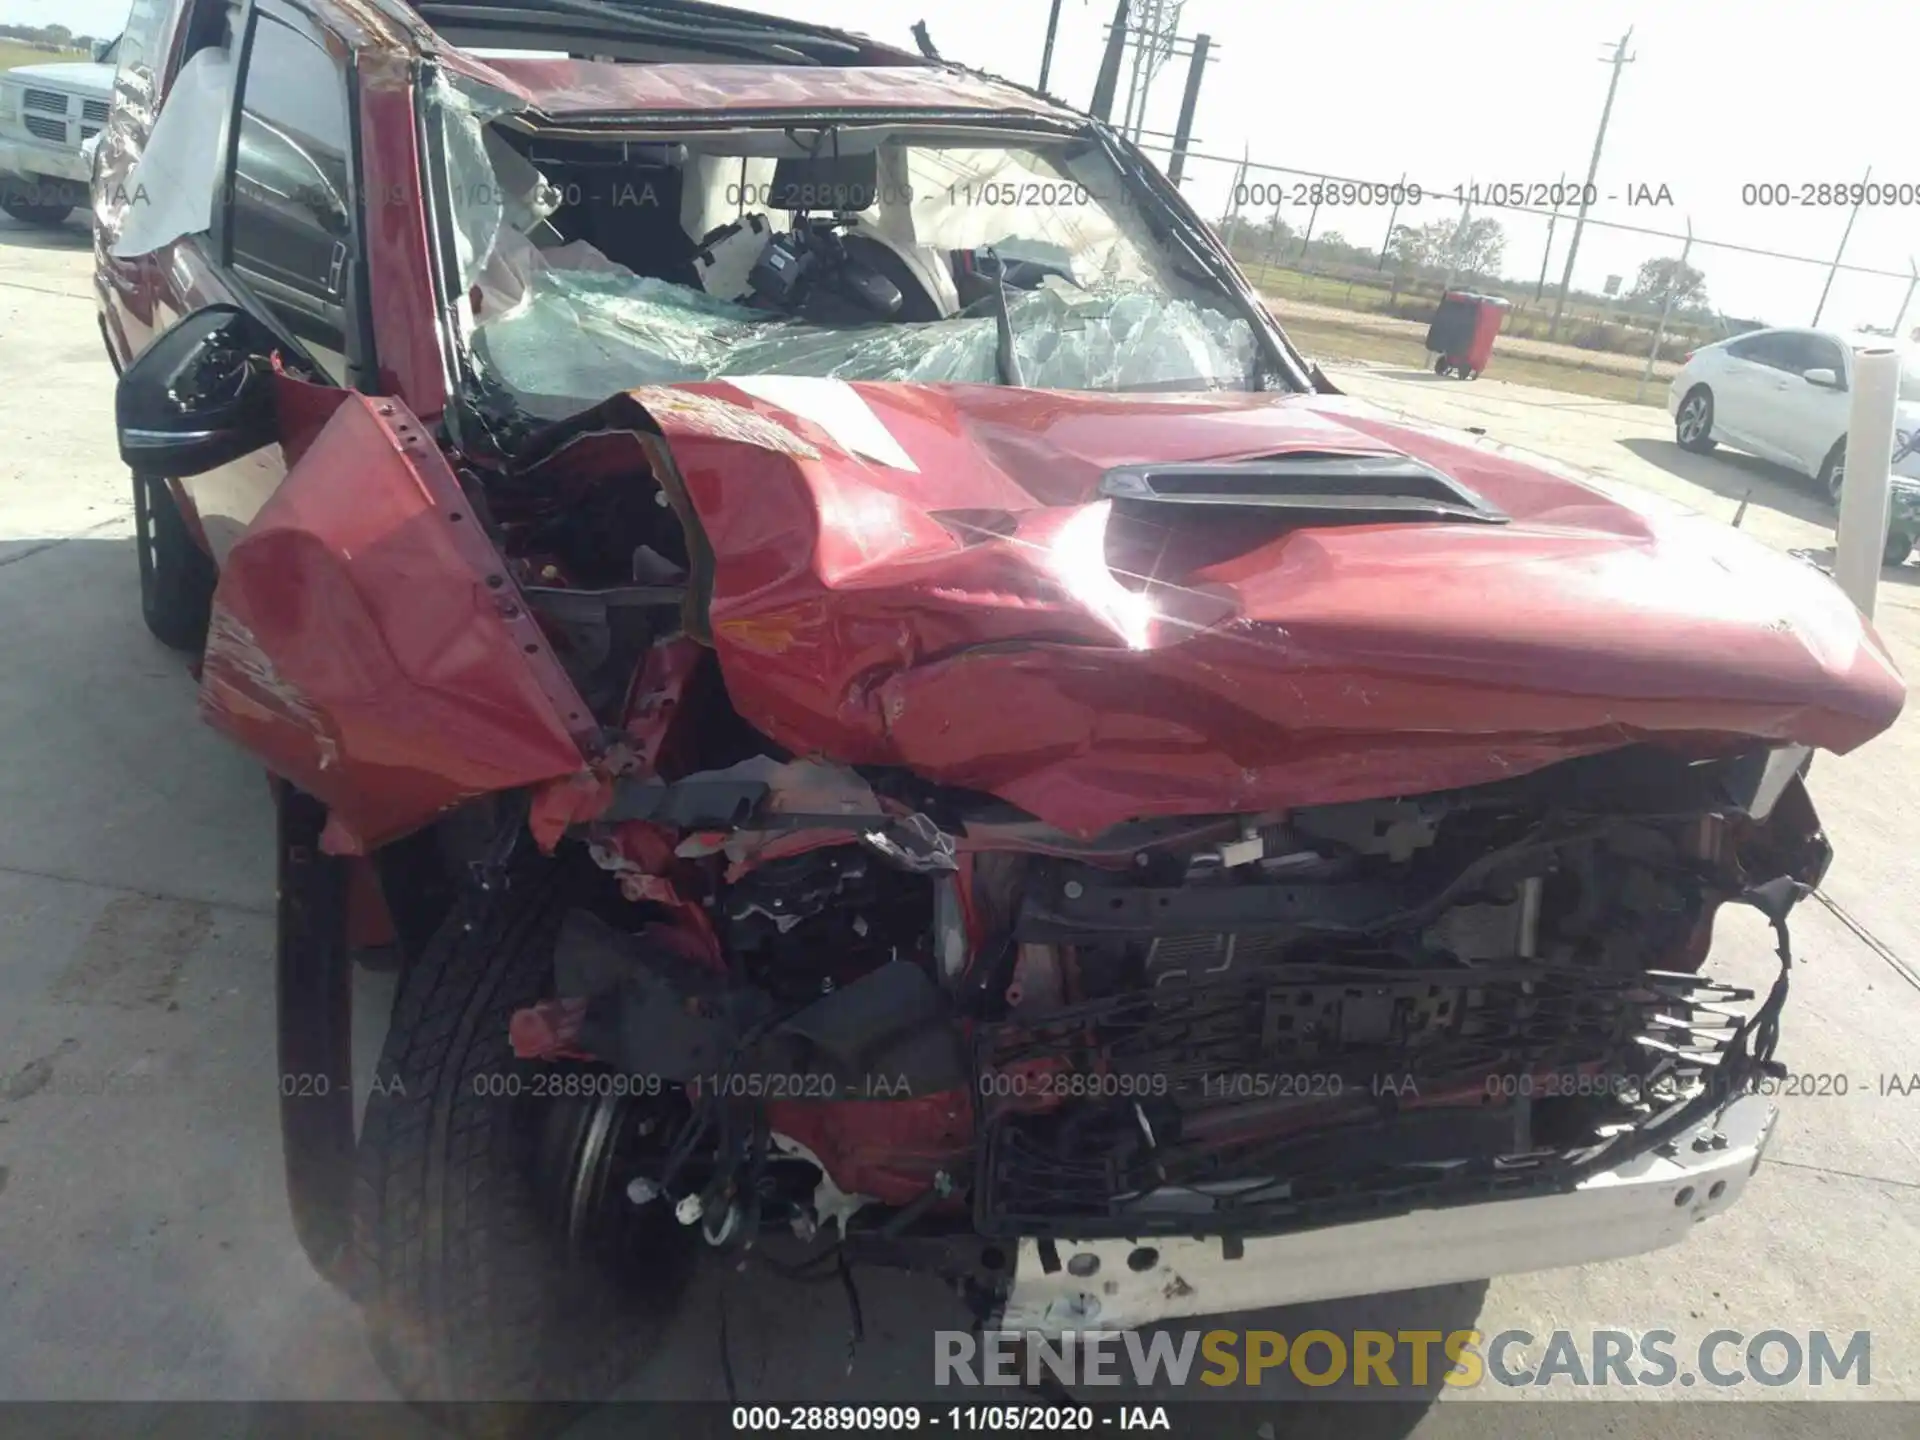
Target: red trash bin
column 1461, row 335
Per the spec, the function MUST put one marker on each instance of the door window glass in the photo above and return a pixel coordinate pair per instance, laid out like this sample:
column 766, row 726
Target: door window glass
column 289, row 228
column 1771, row 348
column 1821, row 353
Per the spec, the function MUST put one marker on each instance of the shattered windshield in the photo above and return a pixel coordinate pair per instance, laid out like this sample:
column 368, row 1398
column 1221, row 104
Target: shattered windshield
column 879, row 253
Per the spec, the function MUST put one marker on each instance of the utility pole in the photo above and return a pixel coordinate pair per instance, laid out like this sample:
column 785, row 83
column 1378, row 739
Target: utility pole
column 1666, row 309
column 1546, row 255
column 1273, row 241
column 1146, row 13
column 1620, row 58
column 1109, row 77
column 1133, row 86
column 1834, row 268
column 1453, row 245
column 1155, row 34
column 1386, row 242
column 1307, row 239
column 1046, row 55
column 1240, row 189
column 1183, row 127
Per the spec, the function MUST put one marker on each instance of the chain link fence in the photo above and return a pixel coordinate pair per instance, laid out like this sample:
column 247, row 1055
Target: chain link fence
column 1384, row 248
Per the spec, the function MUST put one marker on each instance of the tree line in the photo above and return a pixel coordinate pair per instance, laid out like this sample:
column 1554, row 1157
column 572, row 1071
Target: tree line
column 51, row 37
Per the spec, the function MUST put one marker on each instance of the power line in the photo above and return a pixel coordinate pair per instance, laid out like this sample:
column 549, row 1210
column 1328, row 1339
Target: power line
column 1245, row 165
column 1841, row 253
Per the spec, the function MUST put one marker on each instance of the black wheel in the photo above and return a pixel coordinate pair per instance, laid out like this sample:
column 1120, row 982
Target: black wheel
column 176, row 575
column 35, row 212
column 1899, row 546
column 1693, row 426
column 1440, row 366
column 1833, row 470
column 495, row 1254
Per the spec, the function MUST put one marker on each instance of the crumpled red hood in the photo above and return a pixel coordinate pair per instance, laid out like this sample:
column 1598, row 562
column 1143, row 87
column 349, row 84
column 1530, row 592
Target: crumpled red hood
column 919, row 575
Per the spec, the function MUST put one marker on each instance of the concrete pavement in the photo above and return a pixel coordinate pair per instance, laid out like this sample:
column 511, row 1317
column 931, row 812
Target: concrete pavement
column 145, row 1250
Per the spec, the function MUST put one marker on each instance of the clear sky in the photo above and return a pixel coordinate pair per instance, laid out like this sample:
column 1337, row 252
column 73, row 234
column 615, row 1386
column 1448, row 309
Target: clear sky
column 1724, row 93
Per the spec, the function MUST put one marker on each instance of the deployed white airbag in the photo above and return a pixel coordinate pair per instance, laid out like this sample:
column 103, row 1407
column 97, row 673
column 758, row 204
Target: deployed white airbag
column 172, row 187
column 566, row 328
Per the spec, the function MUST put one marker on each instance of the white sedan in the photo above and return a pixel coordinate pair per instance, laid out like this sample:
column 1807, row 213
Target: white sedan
column 1783, row 395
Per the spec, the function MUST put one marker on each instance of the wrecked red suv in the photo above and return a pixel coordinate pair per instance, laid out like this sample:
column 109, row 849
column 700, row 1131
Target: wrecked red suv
column 892, row 716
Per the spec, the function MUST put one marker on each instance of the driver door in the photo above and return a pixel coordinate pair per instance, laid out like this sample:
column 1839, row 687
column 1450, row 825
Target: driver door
column 283, row 240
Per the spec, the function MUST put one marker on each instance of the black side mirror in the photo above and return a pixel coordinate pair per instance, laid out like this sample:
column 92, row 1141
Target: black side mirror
column 199, row 396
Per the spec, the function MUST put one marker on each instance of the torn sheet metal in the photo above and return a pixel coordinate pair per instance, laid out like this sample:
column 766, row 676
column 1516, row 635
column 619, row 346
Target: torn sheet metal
column 362, row 647
column 1293, row 666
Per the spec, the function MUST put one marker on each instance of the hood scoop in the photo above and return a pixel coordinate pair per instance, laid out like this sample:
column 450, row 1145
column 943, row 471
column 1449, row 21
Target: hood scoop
column 1350, row 489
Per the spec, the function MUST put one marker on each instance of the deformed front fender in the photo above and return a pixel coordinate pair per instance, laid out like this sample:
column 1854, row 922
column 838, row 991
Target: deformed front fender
column 367, row 640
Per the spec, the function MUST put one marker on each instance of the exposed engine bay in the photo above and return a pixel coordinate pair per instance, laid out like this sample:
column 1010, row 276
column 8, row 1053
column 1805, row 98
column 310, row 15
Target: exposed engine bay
column 848, row 1003
column 850, row 1000
column 886, row 715
column 914, row 1021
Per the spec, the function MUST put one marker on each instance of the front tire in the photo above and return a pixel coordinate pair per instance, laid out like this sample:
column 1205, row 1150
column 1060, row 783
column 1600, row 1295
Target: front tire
column 313, row 1001
column 1693, row 426
column 176, row 575
column 472, row 1290
column 43, row 213
column 1899, row 546
column 1833, row 471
